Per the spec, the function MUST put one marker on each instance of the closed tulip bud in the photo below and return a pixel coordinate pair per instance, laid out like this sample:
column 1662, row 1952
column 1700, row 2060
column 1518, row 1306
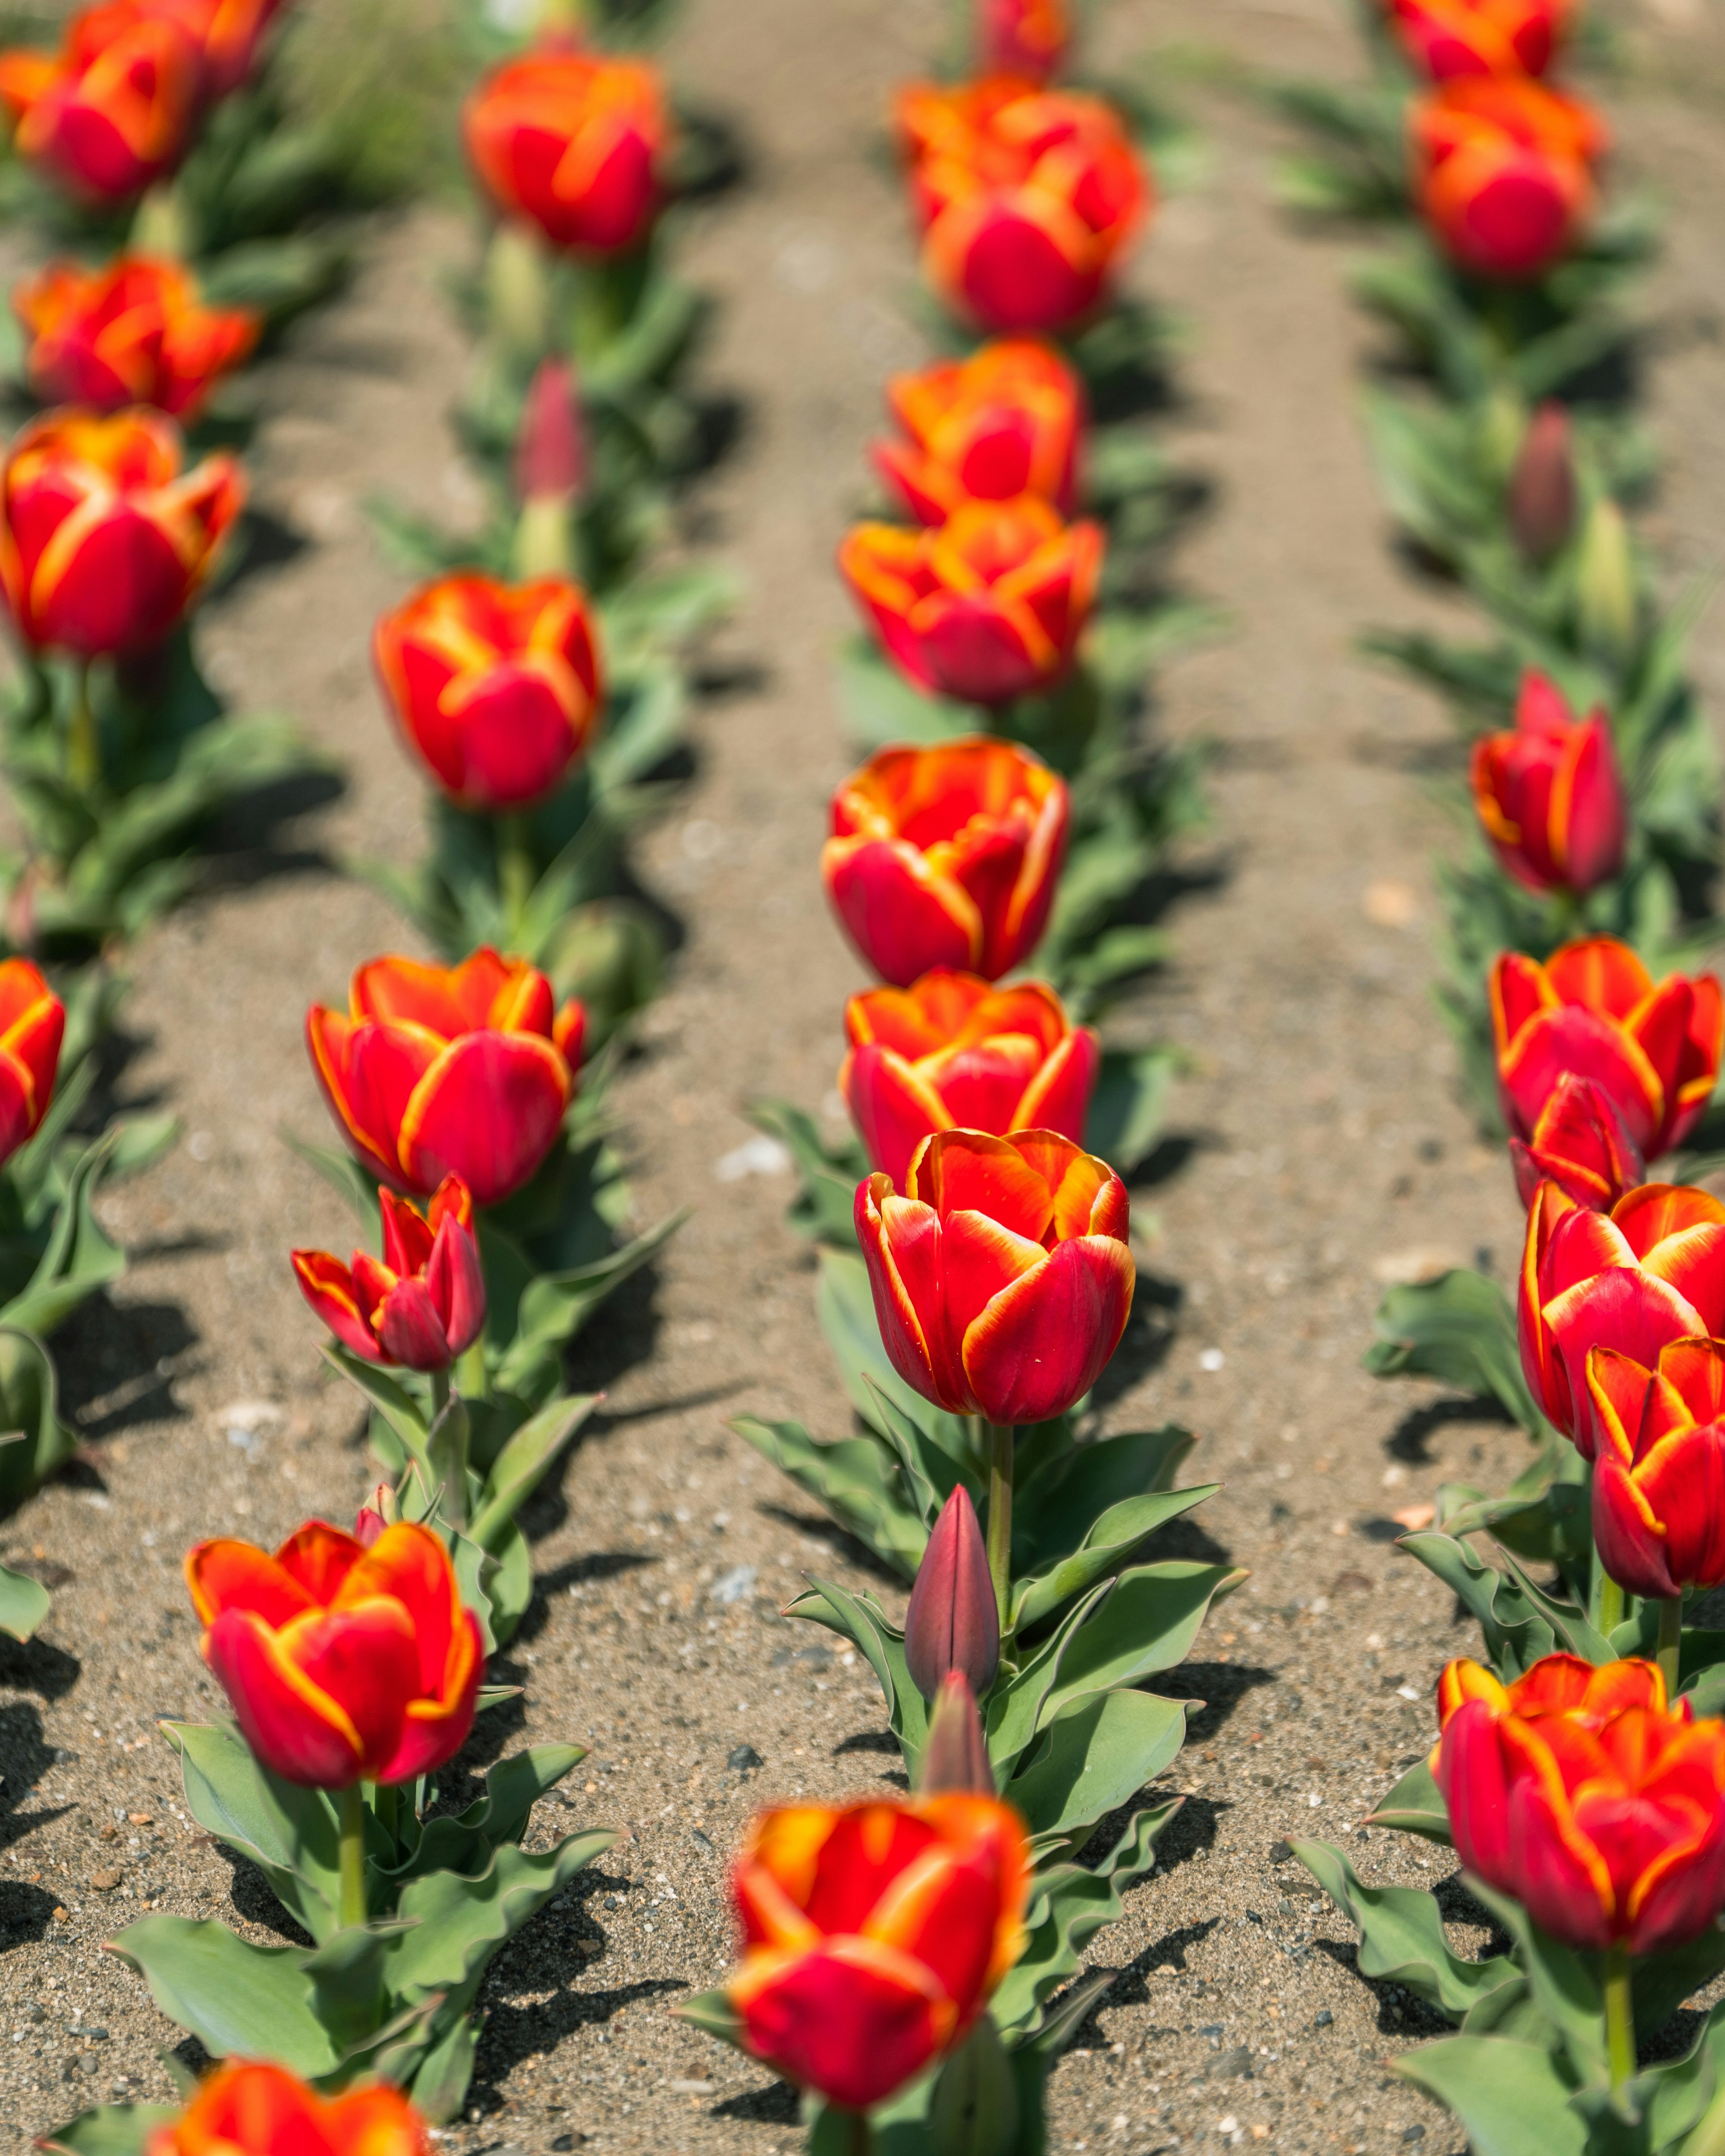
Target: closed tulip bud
column 1580, row 1144
column 1027, row 38
column 1659, row 1469
column 1606, row 600
column 133, row 333
column 953, row 1623
column 1503, row 172
column 1549, row 794
column 379, row 1510
column 1445, row 38
column 424, row 1304
column 250, row 2109
column 551, row 449
column 955, row 1758
column 1540, row 502
column 1582, row 1793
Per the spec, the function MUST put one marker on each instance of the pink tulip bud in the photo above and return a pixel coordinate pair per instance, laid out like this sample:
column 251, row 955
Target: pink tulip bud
column 380, row 1511
column 1542, row 486
column 952, row 1622
column 956, row 1758
column 551, row 449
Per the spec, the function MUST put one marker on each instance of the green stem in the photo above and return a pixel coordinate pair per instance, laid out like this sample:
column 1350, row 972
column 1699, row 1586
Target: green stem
column 470, row 1379
column 385, row 1798
column 83, row 753
column 1000, row 1467
column 1619, row 2017
column 1670, row 1642
column 862, row 2138
column 516, row 872
column 439, row 1392
column 1610, row 1605
column 350, row 1808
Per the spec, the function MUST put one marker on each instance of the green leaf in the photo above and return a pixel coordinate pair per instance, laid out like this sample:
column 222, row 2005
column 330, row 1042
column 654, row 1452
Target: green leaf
column 1111, row 1540
column 1127, row 1108
column 525, row 1461
column 1146, row 1622
column 1459, row 1329
column 250, row 2001
column 880, row 707
column 1097, row 1754
column 857, row 1479
column 1402, row 1936
column 1415, row 1805
column 460, row 1922
column 1516, row 1632
column 516, row 1784
column 392, row 1399
column 34, row 1441
column 860, row 1619
column 23, row 1603
column 1510, row 2097
column 1062, row 1494
column 111, row 2129
column 289, row 1833
column 712, row 2013
column 1565, row 1984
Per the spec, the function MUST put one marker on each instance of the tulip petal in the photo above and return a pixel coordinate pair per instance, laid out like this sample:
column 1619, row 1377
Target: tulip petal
column 1582, row 1041
column 296, row 1729
column 972, row 1171
column 852, row 2018
column 979, row 1258
column 893, row 1106
column 434, row 1730
column 488, row 1110
column 319, row 1557
column 224, row 1574
column 328, row 1284
column 363, row 1656
column 1042, row 1342
column 1058, row 1097
column 408, row 1330
column 902, row 914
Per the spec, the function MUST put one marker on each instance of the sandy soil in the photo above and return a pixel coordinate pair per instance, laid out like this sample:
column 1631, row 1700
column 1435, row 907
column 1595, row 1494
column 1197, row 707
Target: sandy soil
column 1321, row 1152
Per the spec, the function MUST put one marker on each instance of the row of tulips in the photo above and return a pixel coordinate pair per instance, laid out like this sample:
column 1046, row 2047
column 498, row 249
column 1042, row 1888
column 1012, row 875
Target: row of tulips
column 1580, row 1776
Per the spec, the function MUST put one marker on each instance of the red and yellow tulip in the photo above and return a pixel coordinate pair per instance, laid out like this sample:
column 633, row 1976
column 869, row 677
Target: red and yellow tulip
column 245, row 2109
column 342, row 1664
column 32, row 1024
column 424, row 1304
column 873, row 1936
column 947, row 856
column 1005, row 421
column 1503, row 172
column 115, row 108
column 1445, row 38
column 1549, row 796
column 134, row 332
column 1659, row 1468
column 1028, row 39
column 1581, row 1144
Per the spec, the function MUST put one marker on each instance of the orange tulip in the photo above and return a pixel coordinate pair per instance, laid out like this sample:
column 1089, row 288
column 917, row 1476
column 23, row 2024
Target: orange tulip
column 951, row 1051
column 1002, row 422
column 1024, row 37
column 244, row 2109
column 1659, row 1466
column 1027, row 198
column 33, row 1023
column 133, row 333
column 573, row 143
column 114, row 109
column 1445, row 38
column 874, row 1935
column 495, row 687
column 989, row 607
column 947, row 856
column 424, row 1304
column 104, row 539
column 1503, row 172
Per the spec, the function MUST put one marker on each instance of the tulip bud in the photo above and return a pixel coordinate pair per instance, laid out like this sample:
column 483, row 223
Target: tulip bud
column 952, row 1622
column 956, row 1757
column 550, row 469
column 1605, row 596
column 380, row 1511
column 517, row 298
column 1542, row 486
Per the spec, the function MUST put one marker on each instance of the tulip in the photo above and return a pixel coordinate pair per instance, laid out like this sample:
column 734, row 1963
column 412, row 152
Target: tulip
column 1027, row 198
column 1503, row 172
column 248, row 2109
column 1540, row 501
column 1592, row 1010
column 955, row 1757
column 550, row 469
column 133, row 333
column 573, row 143
column 1002, row 422
column 1445, row 38
column 230, row 34
column 1649, row 1271
column 33, row 1023
column 1002, row 1278
column 952, row 1623
column 342, row 1664
column 1580, row 1793
column 951, row 1051
column 495, row 687
column 1549, row 794
column 104, row 540
column 874, row 1936
column 1659, row 1471
column 1027, row 38
column 989, row 607
column 380, row 1509
column 463, row 1071
column 1579, row 1142
column 425, row 1304
column 946, row 857
column 114, row 109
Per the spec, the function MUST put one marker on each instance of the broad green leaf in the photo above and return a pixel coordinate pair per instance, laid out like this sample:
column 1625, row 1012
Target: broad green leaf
column 1402, row 1936
column 1099, row 1753
column 23, row 1603
column 392, row 1399
column 460, row 1922
column 1063, row 1491
column 1516, row 1634
column 252, row 2002
column 1459, row 1328
column 289, row 1833
column 1510, row 2097
column 1129, row 1102
column 857, row 1480
column 1111, row 1540
column 524, row 1462
column 1566, row 1983
column 1148, row 1622
column 1415, row 1805
column 516, row 1784
column 33, row 1440
column 111, row 2129
column 860, row 1619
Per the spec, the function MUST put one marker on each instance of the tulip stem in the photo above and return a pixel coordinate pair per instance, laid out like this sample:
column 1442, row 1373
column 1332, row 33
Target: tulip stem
column 862, row 2138
column 350, row 1808
column 83, row 754
column 516, row 875
column 470, row 1373
column 1000, row 1467
column 1619, row 2016
column 1670, row 1642
column 1610, row 1605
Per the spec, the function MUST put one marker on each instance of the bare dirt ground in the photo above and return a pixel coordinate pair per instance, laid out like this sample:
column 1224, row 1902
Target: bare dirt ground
column 1322, row 1151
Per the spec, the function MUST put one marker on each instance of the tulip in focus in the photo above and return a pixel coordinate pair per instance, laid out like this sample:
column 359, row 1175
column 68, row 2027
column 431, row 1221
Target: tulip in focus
column 424, row 1304
column 1028, row 39
column 342, row 1664
column 1579, row 1143
column 1649, row 1271
column 104, row 540
column 1540, row 501
column 462, row 1071
column 988, row 607
column 952, row 1623
column 1002, row 1278
column 873, row 1936
column 1583, row 1795
column 115, row 108
column 1592, row 1010
column 573, row 143
column 952, row 1051
column 33, row 1023
column 1027, row 199
column 1503, row 172
column 1002, row 422
column 133, row 333
column 248, row 2109
column 495, row 687
column 1659, row 1471
column 947, row 856
column 1549, row 796
column 1445, row 38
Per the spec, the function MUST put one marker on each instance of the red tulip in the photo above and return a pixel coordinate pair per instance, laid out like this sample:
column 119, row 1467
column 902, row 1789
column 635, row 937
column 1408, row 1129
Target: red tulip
column 1002, row 1278
column 1592, row 1010
column 243, row 2109
column 874, row 1936
column 1540, row 503
column 951, row 1051
column 115, row 108
column 229, row 33
column 1445, row 38
column 463, row 1071
column 573, row 143
column 33, row 1023
column 1503, row 172
column 133, row 333
column 1002, row 422
column 946, row 857
column 1580, row 1144
column 1659, row 1472
column 425, row 1304
column 953, row 1623
column 342, row 1664
column 1027, row 38
column 104, row 540
column 1649, row 1271
column 1027, row 198
column 495, row 687
column 988, row 607
column 955, row 1756
column 1549, row 794
column 1580, row 1793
